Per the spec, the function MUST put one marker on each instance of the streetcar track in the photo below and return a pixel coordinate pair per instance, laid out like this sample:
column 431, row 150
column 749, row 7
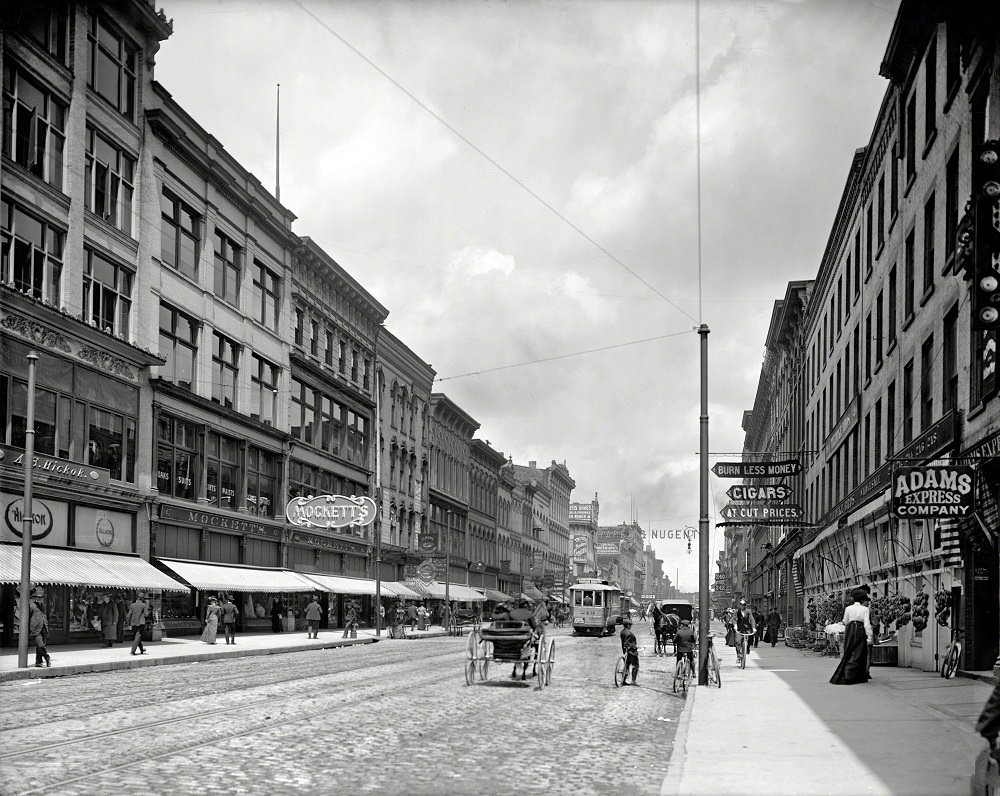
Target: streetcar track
column 269, row 700
column 133, row 761
column 179, row 681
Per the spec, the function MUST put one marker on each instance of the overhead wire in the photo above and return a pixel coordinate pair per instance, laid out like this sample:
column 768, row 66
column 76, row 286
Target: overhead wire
column 496, row 164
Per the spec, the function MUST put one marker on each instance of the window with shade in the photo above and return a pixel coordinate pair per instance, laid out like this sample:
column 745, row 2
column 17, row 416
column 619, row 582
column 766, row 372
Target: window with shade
column 113, row 65
column 179, row 234
column 31, row 253
column 226, row 279
column 108, row 181
column 225, row 370
column 178, row 343
column 263, row 389
column 223, row 471
column 34, row 125
column 107, row 293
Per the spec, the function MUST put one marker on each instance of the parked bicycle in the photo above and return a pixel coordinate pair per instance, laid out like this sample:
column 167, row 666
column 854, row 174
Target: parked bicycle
column 952, row 655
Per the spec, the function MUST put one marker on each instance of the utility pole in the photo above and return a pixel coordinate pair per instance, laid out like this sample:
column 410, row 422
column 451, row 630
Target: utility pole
column 703, row 540
column 26, row 523
column 378, row 497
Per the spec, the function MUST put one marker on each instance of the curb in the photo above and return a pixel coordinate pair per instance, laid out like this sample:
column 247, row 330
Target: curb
column 984, row 678
column 675, row 768
column 142, row 662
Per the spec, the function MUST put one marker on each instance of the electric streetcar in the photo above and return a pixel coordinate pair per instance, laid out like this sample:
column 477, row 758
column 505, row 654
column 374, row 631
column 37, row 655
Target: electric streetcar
column 596, row 607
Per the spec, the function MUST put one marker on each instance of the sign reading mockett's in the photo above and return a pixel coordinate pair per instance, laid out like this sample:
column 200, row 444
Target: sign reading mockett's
column 330, row 511
column 933, row 491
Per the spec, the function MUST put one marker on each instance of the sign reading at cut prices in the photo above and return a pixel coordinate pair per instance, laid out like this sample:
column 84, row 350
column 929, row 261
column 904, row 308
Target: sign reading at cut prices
column 933, row 491
column 756, row 512
column 330, row 511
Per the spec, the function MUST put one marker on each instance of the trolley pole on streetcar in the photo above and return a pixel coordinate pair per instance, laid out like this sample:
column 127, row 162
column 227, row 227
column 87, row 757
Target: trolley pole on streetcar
column 703, row 540
column 26, row 525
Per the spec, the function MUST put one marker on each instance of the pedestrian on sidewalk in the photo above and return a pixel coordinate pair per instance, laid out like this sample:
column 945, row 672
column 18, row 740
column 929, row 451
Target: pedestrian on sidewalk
column 135, row 618
column 229, row 614
column 773, row 625
column 277, row 612
column 314, row 612
column 212, row 614
column 350, row 619
column 411, row 614
column 109, row 620
column 853, row 667
column 989, row 722
column 759, row 626
column 120, row 624
column 38, row 630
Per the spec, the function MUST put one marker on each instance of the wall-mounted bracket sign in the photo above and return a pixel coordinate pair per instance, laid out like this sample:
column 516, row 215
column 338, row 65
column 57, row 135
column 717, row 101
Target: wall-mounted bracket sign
column 330, row 511
column 761, row 513
column 766, row 492
column 933, row 491
column 757, row 469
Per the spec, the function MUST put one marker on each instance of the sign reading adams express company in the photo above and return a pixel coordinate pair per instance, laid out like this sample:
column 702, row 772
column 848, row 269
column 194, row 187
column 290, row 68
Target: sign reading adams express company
column 933, row 491
column 330, row 511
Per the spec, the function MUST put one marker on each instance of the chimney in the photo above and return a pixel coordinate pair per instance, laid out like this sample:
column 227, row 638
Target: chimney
column 532, row 465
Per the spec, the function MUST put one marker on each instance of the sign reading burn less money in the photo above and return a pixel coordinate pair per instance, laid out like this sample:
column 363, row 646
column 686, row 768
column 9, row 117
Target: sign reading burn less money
column 757, row 469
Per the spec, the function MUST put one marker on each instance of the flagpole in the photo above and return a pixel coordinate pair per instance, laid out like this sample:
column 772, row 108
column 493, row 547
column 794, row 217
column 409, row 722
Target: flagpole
column 277, row 145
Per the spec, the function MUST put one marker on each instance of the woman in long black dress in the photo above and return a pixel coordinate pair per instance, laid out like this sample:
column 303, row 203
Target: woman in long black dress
column 858, row 635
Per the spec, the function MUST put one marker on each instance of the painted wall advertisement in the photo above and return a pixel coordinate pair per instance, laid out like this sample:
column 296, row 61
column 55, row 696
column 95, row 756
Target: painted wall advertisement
column 608, row 543
column 580, row 548
column 50, row 524
column 100, row 529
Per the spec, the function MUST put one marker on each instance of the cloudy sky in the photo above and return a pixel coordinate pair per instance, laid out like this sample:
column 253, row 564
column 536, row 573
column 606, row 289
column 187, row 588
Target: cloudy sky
column 553, row 210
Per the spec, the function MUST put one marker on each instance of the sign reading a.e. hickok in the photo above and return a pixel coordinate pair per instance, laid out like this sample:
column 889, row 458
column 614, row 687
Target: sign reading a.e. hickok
column 330, row 511
column 933, row 491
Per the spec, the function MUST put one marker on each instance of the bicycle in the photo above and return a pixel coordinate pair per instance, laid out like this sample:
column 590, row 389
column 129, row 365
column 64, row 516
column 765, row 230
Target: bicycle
column 952, row 656
column 714, row 674
column 743, row 648
column 683, row 672
column 621, row 668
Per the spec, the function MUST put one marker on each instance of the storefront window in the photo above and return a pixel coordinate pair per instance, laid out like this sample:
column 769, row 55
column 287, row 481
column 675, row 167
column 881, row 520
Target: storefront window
column 177, row 605
column 177, row 458
column 84, row 608
column 223, row 465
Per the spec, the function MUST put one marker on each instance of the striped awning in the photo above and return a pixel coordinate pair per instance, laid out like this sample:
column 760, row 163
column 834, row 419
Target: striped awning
column 402, row 590
column 494, row 595
column 220, row 577
column 85, row 568
column 800, row 590
column 456, row 591
column 337, row 584
column 951, row 545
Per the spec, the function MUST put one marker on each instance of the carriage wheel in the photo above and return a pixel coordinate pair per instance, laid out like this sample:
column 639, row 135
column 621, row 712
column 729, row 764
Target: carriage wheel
column 620, row 669
column 550, row 664
column 539, row 662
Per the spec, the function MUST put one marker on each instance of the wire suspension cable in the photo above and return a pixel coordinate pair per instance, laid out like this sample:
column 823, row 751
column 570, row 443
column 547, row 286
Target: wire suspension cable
column 565, row 356
column 491, row 160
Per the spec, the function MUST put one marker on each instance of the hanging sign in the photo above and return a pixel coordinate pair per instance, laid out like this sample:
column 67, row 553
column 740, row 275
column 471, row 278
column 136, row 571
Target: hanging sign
column 757, row 469
column 768, row 492
column 933, row 491
column 761, row 513
column 426, row 572
column 330, row 511
column 427, row 542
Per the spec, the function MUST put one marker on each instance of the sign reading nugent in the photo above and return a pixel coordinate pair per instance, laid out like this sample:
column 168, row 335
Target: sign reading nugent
column 330, row 511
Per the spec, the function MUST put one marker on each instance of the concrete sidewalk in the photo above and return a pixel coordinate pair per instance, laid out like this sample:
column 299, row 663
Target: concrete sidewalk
column 79, row 658
column 780, row 727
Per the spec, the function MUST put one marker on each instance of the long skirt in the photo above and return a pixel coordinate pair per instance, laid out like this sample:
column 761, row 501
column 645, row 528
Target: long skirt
column 853, row 667
column 211, row 628
column 730, row 636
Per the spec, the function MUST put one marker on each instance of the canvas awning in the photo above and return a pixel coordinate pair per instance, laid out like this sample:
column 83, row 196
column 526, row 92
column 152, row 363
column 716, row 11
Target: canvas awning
column 495, row 596
column 84, row 568
column 337, row 584
column 533, row 593
column 220, row 577
column 402, row 590
column 456, row 591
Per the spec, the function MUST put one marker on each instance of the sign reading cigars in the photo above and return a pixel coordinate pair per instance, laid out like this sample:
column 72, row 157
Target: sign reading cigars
column 330, row 511
column 768, row 492
column 757, row 469
column 933, row 491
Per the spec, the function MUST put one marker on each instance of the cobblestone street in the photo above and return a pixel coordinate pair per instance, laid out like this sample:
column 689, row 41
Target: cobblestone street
column 394, row 717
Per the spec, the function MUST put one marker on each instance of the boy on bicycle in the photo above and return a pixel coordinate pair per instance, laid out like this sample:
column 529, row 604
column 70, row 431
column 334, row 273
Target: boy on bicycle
column 746, row 625
column 684, row 643
column 630, row 649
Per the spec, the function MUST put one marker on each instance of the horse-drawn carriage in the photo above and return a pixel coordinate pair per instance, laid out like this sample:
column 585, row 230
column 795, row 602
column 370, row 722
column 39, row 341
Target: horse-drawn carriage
column 512, row 637
column 462, row 618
